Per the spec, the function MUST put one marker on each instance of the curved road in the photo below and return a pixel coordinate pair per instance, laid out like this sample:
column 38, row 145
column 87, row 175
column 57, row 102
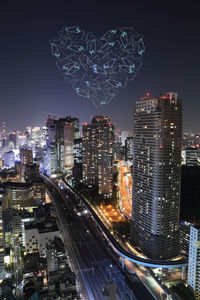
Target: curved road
column 152, row 263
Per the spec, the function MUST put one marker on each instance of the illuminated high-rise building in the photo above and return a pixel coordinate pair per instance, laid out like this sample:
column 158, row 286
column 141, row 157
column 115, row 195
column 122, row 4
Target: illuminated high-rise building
column 21, row 140
column 129, row 148
column 65, row 144
column 78, row 159
column 75, row 122
column 194, row 261
column 192, row 157
column 98, row 138
column 60, row 138
column 12, row 141
column 156, row 175
column 50, row 156
column 51, row 161
column 26, row 156
column 9, row 159
column 51, row 125
column 3, row 135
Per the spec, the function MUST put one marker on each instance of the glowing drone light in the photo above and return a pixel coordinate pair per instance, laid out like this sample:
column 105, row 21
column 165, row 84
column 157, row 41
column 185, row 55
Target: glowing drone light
column 97, row 67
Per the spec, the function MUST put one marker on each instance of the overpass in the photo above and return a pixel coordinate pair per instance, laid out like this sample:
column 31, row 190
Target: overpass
column 151, row 263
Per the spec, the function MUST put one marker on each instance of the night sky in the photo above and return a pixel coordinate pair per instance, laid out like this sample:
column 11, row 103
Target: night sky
column 31, row 85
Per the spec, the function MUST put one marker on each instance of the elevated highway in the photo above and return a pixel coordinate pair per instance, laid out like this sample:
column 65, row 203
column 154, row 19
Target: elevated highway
column 151, row 263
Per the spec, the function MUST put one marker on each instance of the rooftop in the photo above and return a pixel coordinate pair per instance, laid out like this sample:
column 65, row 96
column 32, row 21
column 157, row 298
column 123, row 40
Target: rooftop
column 46, row 226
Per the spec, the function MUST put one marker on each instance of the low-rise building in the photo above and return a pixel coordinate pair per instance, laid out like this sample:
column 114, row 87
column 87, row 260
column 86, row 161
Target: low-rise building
column 37, row 235
column 192, row 157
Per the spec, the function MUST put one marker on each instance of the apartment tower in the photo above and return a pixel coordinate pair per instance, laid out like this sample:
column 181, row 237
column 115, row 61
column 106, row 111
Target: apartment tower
column 98, row 138
column 157, row 175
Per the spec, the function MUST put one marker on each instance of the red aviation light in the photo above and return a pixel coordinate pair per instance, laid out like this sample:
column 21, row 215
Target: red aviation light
column 148, row 94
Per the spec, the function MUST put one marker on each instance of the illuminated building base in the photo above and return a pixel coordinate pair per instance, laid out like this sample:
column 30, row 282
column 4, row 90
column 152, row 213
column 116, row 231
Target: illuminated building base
column 155, row 246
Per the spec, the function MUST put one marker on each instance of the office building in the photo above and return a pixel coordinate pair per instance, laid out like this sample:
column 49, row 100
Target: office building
column 78, row 159
column 194, row 261
column 129, row 148
column 60, row 137
column 51, row 161
column 156, row 175
column 75, row 122
column 64, row 142
column 37, row 235
column 18, row 195
column 124, row 135
column 9, row 159
column 26, row 156
column 31, row 172
column 21, row 140
column 36, row 136
column 51, row 153
column 184, row 238
column 12, row 141
column 68, row 146
column 51, row 125
column 98, row 138
column 192, row 157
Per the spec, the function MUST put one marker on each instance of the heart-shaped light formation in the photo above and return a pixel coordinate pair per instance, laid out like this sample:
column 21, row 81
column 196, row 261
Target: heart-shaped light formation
column 98, row 67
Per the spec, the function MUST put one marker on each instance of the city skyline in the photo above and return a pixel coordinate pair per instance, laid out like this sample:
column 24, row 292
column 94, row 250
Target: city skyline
column 33, row 87
column 89, row 184
column 99, row 150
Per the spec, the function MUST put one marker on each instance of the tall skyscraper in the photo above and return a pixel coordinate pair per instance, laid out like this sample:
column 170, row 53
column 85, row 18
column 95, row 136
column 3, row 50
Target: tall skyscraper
column 9, row 159
column 98, row 138
column 78, row 159
column 12, row 141
column 65, row 144
column 3, row 135
column 129, row 148
column 157, row 175
column 51, row 161
column 194, row 260
column 60, row 138
column 51, row 156
column 68, row 146
column 51, row 125
column 75, row 122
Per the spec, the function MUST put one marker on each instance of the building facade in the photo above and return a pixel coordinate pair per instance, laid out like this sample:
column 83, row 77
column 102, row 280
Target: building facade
column 98, row 138
column 60, row 144
column 194, row 261
column 192, row 157
column 78, row 160
column 9, row 159
column 156, row 175
column 129, row 148
column 38, row 235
